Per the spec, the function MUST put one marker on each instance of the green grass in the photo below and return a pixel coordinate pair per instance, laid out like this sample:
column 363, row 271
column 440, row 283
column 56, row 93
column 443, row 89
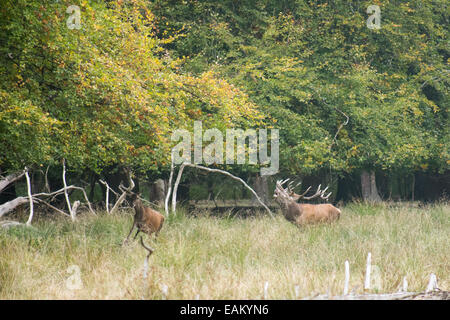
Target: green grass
column 226, row 258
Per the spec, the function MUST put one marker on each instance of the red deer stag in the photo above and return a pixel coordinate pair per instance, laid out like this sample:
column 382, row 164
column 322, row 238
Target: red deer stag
column 145, row 220
column 300, row 213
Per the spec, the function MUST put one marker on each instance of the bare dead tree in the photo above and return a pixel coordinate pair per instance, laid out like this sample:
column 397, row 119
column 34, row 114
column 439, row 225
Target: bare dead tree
column 124, row 191
column 30, row 197
column 175, row 187
column 66, row 195
column 36, row 198
column 108, row 188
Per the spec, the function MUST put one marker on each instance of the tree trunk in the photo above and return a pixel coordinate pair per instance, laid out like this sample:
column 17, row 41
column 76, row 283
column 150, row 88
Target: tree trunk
column 158, row 192
column 369, row 187
column 261, row 187
column 93, row 180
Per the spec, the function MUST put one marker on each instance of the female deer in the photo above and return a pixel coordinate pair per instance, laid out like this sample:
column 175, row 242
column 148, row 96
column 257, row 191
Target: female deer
column 145, row 220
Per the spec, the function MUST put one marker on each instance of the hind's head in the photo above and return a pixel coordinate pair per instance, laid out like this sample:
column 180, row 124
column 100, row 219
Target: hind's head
column 135, row 199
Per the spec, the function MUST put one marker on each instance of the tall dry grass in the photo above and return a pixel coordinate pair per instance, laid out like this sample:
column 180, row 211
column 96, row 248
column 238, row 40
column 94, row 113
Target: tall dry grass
column 226, row 258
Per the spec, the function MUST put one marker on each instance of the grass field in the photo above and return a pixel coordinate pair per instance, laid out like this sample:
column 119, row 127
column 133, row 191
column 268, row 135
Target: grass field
column 226, row 258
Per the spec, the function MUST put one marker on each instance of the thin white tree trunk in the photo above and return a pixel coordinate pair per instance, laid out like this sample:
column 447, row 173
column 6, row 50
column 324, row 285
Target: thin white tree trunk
column 164, row 290
column 108, row 188
column 107, row 200
column 368, row 270
column 30, row 197
column 169, row 189
column 297, row 291
column 266, row 290
column 66, row 195
column 432, row 284
column 404, row 285
column 347, row 277
column 175, row 188
column 107, row 194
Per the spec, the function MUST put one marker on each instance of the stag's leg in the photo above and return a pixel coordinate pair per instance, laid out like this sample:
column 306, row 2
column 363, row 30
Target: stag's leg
column 126, row 240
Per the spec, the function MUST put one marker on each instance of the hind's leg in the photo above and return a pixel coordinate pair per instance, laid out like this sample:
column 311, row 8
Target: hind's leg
column 131, row 230
column 137, row 232
column 157, row 231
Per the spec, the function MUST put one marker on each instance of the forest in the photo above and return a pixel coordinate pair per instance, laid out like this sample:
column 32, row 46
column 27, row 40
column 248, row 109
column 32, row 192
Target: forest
column 92, row 93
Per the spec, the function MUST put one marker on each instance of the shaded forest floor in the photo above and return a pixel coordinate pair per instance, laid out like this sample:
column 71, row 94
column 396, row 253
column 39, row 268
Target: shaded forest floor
column 226, row 257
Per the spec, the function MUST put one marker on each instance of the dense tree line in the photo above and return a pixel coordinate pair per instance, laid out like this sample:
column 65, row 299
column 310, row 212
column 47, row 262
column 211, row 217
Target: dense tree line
column 355, row 106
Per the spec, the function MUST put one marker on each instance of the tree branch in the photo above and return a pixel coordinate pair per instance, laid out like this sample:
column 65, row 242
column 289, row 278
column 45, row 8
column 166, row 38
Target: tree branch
column 10, row 179
column 124, row 192
column 230, row 175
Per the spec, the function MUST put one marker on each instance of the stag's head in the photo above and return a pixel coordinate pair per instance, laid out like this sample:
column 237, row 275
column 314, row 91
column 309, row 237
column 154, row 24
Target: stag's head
column 283, row 196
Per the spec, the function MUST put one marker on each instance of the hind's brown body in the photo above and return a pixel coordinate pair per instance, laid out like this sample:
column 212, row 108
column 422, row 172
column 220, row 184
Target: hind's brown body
column 145, row 220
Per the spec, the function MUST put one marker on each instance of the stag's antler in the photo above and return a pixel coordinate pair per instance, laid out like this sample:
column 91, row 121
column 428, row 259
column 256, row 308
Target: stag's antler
column 279, row 187
column 290, row 188
column 289, row 191
column 300, row 213
column 318, row 193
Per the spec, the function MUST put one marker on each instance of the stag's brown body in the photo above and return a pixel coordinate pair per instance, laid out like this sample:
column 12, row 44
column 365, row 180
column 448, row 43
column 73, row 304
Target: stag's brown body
column 302, row 213
column 145, row 220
